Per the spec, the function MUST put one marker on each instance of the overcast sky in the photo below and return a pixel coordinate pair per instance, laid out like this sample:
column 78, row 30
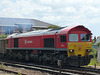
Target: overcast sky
column 59, row 12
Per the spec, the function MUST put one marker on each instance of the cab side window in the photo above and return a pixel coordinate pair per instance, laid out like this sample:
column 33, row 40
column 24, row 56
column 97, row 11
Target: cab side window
column 62, row 38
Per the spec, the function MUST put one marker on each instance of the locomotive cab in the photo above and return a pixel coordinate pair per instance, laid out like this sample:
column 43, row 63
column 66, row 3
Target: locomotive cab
column 79, row 46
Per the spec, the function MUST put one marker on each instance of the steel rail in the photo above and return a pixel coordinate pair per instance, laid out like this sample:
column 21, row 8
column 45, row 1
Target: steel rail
column 53, row 70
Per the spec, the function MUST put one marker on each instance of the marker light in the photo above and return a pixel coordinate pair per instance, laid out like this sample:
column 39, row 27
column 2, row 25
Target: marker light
column 88, row 50
column 71, row 50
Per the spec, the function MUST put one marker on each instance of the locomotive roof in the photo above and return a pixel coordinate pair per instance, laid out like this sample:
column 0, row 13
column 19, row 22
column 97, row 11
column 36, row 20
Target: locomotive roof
column 46, row 31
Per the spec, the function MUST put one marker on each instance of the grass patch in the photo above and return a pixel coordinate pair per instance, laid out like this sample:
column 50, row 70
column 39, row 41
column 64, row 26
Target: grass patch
column 2, row 66
column 94, row 61
column 19, row 74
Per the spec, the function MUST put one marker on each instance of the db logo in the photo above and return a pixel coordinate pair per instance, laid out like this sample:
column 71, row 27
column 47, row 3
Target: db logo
column 26, row 42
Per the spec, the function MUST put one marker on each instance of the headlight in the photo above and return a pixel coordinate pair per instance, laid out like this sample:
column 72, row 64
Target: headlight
column 88, row 50
column 71, row 50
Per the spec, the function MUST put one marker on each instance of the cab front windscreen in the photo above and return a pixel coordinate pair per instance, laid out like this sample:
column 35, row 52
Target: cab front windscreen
column 85, row 37
column 75, row 37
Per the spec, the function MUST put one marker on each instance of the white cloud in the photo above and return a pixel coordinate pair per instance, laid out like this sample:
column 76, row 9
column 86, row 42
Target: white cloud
column 64, row 13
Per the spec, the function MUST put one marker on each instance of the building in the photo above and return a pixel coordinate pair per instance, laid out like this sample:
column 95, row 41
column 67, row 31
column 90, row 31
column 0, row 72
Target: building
column 8, row 29
column 13, row 25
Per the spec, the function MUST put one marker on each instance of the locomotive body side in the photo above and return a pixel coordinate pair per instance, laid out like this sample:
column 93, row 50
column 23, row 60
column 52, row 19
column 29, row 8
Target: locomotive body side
column 72, row 45
column 43, row 41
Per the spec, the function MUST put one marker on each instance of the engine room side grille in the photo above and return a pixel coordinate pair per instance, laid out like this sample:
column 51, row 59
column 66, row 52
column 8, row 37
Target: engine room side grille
column 49, row 43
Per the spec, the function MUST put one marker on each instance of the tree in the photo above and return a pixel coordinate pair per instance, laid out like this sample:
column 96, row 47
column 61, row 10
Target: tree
column 94, row 39
column 3, row 36
column 94, row 52
column 53, row 26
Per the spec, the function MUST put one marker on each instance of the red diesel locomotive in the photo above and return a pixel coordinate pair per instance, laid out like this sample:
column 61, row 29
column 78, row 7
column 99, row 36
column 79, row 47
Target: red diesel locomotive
column 71, row 45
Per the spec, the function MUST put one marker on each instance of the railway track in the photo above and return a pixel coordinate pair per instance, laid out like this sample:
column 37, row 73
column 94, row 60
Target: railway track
column 54, row 70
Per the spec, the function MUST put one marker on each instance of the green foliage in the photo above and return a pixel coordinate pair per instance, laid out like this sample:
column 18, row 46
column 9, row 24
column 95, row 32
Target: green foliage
column 2, row 66
column 98, row 44
column 93, row 61
column 37, row 29
column 3, row 36
column 94, row 52
column 19, row 74
column 92, row 42
column 94, row 39
column 53, row 26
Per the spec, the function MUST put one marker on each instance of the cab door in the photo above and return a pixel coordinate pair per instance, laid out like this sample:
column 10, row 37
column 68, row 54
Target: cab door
column 62, row 41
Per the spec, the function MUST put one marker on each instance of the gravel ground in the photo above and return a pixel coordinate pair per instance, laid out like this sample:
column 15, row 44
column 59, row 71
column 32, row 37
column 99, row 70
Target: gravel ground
column 20, row 70
column 5, row 73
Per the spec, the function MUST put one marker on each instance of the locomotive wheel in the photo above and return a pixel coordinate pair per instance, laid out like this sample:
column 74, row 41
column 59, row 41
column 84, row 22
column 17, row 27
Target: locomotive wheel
column 87, row 61
column 13, row 56
column 73, row 62
column 44, row 62
column 1, row 56
column 9, row 56
column 20, row 57
column 40, row 60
